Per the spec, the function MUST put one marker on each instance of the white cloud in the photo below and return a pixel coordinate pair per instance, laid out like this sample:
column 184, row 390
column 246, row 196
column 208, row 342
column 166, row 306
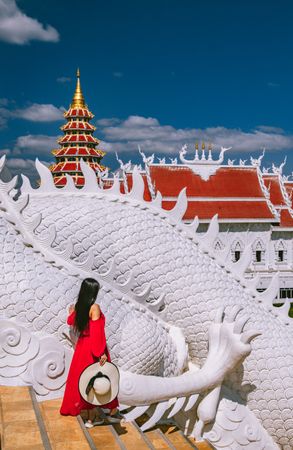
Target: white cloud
column 19, row 163
column 139, row 121
column 18, row 28
column 126, row 135
column 18, row 166
column 64, row 80
column 34, row 113
column 108, row 122
column 5, row 114
column 4, row 101
column 5, row 151
column 268, row 129
column 37, row 144
column 273, row 85
column 39, row 113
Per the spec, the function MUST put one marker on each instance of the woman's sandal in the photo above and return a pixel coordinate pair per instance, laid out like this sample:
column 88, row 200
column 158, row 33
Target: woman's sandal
column 90, row 424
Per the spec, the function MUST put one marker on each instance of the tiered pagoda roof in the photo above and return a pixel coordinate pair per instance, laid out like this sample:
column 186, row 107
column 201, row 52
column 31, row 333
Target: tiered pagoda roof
column 78, row 142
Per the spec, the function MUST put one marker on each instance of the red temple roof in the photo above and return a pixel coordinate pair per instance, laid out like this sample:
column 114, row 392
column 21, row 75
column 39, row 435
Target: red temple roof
column 286, row 219
column 234, row 193
column 272, row 182
column 289, row 189
column 61, row 180
column 78, row 112
column 226, row 182
column 73, row 166
column 78, row 125
column 231, row 210
column 78, row 137
column 78, row 151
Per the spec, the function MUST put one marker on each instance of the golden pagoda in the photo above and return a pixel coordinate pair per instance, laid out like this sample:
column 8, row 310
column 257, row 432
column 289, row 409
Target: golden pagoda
column 78, row 142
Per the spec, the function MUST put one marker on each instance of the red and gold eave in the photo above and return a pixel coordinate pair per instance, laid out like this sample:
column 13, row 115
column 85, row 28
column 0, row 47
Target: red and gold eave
column 76, row 143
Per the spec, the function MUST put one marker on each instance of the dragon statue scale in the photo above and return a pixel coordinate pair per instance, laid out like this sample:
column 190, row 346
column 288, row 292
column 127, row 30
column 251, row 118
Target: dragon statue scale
column 192, row 338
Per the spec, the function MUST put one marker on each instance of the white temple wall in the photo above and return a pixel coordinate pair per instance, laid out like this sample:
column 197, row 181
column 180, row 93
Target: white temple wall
column 272, row 250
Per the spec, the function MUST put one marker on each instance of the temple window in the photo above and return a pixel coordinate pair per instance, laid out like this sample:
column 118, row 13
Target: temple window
column 258, row 255
column 237, row 255
column 286, row 293
column 236, row 250
column 280, row 255
column 259, row 252
column 280, row 252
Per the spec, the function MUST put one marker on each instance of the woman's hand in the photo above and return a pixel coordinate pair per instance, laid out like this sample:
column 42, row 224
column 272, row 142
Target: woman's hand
column 103, row 359
column 71, row 308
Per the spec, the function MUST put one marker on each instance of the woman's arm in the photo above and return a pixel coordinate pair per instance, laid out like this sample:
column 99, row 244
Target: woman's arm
column 71, row 317
column 95, row 312
column 97, row 332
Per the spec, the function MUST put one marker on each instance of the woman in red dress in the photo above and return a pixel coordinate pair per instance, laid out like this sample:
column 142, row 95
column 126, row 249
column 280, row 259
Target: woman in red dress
column 89, row 321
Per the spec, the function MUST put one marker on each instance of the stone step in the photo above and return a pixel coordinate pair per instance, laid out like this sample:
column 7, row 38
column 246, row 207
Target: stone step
column 158, row 439
column 65, row 432
column 176, row 437
column 22, row 427
column 28, row 425
column 132, row 437
column 173, row 436
column 105, row 437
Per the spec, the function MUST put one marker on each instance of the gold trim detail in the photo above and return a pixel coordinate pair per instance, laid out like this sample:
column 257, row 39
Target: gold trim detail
column 78, row 98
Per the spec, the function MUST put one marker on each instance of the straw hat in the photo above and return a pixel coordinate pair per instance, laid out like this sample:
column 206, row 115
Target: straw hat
column 98, row 384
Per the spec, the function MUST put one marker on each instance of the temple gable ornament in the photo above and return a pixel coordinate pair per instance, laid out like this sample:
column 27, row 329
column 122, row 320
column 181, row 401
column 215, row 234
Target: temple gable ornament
column 203, row 165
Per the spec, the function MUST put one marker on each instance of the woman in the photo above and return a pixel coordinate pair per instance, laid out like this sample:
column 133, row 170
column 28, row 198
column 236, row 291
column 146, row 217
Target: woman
column 89, row 322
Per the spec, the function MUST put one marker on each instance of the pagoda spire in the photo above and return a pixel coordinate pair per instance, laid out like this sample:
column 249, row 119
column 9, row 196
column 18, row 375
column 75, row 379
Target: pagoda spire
column 78, row 98
column 77, row 142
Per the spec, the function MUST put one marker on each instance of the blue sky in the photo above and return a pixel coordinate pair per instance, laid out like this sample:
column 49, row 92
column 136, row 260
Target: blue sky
column 155, row 73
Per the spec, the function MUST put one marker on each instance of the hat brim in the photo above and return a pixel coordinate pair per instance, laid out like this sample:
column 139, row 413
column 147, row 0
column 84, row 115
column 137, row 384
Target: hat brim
column 93, row 398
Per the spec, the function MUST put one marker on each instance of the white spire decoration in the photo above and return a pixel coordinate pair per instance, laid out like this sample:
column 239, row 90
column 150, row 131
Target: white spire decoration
column 278, row 170
column 257, row 161
column 148, row 160
column 123, row 168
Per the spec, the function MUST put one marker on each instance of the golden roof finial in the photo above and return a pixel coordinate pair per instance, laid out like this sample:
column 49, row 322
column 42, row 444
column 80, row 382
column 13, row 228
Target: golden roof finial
column 203, row 146
column 78, row 98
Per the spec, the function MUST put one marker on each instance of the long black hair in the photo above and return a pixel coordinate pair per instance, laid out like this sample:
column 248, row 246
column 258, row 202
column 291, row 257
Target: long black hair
column 86, row 298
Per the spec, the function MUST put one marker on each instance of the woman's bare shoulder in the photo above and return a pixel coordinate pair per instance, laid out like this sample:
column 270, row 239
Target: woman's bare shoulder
column 95, row 312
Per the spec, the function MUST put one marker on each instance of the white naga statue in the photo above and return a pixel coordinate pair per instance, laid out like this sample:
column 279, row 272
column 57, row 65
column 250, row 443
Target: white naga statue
column 179, row 321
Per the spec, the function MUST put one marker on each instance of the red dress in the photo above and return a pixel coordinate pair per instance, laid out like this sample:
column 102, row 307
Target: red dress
column 90, row 346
